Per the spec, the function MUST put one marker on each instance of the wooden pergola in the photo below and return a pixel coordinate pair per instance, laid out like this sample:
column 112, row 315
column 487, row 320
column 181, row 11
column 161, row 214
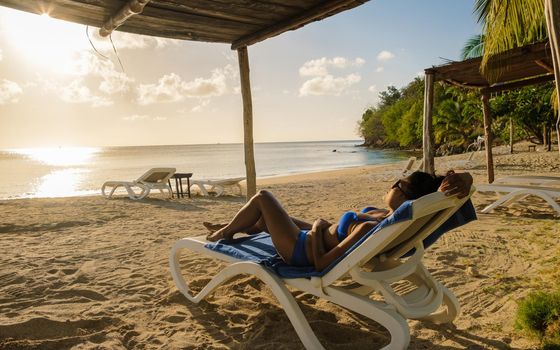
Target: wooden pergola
column 523, row 66
column 237, row 22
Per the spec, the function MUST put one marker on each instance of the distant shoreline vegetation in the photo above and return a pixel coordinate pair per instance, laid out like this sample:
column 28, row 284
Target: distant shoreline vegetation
column 396, row 121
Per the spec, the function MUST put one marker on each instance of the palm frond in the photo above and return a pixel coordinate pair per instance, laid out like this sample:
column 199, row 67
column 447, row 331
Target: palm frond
column 510, row 24
column 474, row 47
column 481, row 9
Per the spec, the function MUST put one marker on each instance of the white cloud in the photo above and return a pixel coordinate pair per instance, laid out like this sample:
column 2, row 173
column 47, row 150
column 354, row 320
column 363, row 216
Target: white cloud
column 385, row 55
column 168, row 89
column 77, row 92
column 320, row 67
column 200, row 106
column 9, row 92
column 0, row 54
column 135, row 117
column 124, row 40
column 372, row 89
column 379, row 69
column 138, row 117
column 420, row 74
column 112, row 81
column 171, row 88
column 328, row 85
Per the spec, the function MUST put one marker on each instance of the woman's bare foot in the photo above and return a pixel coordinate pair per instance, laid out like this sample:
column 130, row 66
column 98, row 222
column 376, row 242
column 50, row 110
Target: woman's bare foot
column 215, row 236
column 213, row 227
column 219, row 234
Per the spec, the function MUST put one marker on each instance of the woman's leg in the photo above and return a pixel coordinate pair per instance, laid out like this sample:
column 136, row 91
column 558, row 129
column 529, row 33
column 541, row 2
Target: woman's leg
column 260, row 226
column 277, row 221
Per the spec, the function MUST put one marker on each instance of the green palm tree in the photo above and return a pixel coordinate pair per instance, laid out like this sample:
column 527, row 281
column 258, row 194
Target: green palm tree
column 508, row 24
column 474, row 47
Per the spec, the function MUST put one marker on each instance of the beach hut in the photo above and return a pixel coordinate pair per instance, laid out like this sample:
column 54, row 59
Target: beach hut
column 240, row 23
column 531, row 64
column 523, row 66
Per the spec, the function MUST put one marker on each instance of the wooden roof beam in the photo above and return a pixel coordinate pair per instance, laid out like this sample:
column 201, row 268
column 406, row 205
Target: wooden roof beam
column 545, row 65
column 518, row 84
column 308, row 16
column 131, row 8
column 464, row 85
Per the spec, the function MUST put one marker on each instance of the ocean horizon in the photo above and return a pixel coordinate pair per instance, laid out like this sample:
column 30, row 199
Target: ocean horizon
column 80, row 171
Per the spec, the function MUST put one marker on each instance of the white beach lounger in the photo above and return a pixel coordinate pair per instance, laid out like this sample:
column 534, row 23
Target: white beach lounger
column 468, row 163
column 153, row 179
column 217, row 186
column 399, row 174
column 510, row 193
column 530, row 180
column 373, row 265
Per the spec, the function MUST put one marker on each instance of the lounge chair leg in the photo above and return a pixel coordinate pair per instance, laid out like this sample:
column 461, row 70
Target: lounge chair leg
column 517, row 195
column 452, row 309
column 499, row 202
column 384, row 314
column 219, row 190
column 276, row 285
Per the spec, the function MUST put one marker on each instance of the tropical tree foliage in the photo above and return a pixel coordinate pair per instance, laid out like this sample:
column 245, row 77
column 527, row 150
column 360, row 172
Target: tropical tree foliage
column 457, row 119
column 396, row 121
column 530, row 109
column 508, row 24
column 474, row 47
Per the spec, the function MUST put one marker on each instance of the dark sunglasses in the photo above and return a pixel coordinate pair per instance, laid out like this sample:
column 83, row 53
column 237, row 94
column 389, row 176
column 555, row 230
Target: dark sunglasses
column 398, row 185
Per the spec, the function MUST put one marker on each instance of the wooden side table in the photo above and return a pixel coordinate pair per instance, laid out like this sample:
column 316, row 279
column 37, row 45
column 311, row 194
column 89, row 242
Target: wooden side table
column 179, row 184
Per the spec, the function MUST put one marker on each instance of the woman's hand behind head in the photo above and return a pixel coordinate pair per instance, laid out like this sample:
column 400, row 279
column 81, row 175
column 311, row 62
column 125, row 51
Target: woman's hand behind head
column 456, row 184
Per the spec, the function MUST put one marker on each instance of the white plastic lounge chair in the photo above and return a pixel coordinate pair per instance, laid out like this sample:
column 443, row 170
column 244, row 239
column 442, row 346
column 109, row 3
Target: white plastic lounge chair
column 530, row 180
column 373, row 265
column 469, row 163
column 399, row 174
column 512, row 193
column 217, row 186
column 153, row 179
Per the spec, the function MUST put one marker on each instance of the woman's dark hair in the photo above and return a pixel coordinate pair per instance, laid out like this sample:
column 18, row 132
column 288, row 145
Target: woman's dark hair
column 420, row 184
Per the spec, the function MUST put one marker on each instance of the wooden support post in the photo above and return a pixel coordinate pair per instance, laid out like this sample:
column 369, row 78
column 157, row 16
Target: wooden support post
column 488, row 137
column 427, row 137
column 243, row 58
column 544, row 136
column 510, row 135
column 552, row 14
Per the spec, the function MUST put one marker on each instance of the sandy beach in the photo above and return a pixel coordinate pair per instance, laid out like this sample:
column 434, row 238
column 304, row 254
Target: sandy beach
column 92, row 273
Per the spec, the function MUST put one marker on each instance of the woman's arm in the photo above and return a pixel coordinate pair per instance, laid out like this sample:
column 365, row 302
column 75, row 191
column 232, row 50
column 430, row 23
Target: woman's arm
column 317, row 240
column 373, row 215
column 322, row 258
column 302, row 224
column 456, row 184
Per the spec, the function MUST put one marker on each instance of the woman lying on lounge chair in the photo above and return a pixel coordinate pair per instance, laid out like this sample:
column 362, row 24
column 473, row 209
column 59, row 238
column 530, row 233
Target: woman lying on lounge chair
column 318, row 244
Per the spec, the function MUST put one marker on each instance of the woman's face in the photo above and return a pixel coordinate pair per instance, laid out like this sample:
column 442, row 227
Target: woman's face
column 396, row 195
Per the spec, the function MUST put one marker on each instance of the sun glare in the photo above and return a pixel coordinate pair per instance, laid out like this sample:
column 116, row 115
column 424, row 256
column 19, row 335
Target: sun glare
column 44, row 41
column 68, row 156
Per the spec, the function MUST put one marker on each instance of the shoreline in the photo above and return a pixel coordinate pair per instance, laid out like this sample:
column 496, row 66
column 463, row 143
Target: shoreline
column 263, row 179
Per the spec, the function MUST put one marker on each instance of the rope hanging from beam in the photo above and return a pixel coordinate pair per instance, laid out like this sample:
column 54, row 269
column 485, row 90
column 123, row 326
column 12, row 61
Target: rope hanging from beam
column 133, row 7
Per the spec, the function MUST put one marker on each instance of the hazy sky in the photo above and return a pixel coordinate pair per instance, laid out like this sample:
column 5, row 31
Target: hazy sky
column 309, row 84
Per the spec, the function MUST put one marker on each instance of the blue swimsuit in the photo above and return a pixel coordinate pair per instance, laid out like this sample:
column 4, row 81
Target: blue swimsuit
column 299, row 255
column 348, row 218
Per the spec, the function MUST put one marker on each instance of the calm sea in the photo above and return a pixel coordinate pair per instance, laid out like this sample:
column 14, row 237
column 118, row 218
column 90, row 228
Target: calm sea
column 61, row 172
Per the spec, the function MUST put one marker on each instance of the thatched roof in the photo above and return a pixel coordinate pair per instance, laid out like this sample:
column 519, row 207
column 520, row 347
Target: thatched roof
column 521, row 66
column 238, row 22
